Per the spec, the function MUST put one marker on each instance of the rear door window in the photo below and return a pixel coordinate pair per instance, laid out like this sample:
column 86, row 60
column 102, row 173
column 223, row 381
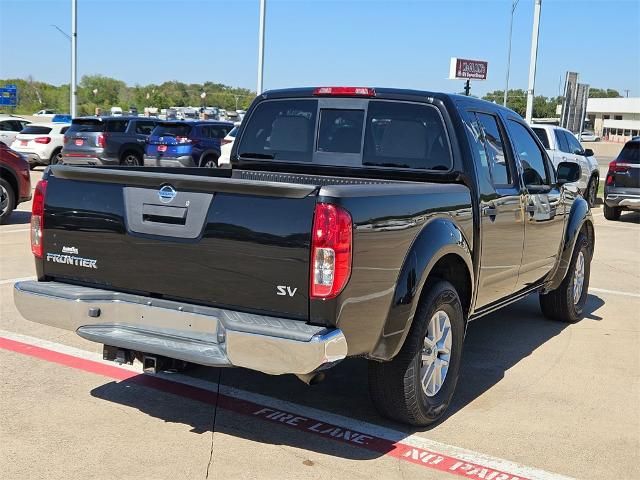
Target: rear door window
column 35, row 130
column 145, row 127
column 116, row 126
column 281, row 130
column 405, row 135
column 85, row 125
column 172, row 130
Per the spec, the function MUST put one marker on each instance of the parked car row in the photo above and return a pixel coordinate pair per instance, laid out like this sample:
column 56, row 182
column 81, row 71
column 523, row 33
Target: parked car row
column 134, row 141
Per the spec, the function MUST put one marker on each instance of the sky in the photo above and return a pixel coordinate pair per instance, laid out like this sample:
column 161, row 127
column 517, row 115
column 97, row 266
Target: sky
column 390, row 43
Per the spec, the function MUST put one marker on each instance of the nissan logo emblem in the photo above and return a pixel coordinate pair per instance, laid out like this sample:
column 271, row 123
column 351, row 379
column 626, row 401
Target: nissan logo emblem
column 167, row 194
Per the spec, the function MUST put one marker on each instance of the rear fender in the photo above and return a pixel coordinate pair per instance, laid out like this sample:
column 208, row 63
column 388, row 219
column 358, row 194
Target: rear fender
column 579, row 216
column 438, row 238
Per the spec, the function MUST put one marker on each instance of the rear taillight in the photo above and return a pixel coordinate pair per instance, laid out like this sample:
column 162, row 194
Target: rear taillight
column 331, row 246
column 616, row 167
column 101, row 140
column 224, row 141
column 345, row 91
column 43, row 140
column 37, row 218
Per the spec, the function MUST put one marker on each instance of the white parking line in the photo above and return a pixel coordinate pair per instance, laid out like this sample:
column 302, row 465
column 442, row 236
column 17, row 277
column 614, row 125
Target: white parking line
column 373, row 430
column 14, row 280
column 14, row 231
column 614, row 292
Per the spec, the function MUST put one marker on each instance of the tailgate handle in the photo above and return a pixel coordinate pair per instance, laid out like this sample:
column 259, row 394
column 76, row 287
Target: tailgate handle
column 164, row 214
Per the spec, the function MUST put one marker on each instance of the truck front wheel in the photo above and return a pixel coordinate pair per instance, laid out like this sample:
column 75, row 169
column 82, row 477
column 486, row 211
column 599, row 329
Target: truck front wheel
column 566, row 302
column 416, row 387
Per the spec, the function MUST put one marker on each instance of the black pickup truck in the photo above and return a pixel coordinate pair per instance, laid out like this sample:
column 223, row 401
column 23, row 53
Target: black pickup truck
column 354, row 222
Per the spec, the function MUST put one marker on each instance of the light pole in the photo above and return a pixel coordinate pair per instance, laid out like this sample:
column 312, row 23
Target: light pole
column 534, row 59
column 263, row 11
column 506, row 86
column 74, row 57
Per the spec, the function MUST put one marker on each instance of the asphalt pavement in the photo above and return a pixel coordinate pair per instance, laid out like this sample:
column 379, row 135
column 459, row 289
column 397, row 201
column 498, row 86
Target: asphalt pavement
column 536, row 399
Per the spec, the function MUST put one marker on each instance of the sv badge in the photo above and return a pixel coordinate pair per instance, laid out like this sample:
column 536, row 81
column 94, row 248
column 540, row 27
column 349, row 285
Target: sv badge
column 285, row 290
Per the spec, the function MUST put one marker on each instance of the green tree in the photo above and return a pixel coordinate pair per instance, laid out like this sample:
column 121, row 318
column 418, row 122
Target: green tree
column 604, row 93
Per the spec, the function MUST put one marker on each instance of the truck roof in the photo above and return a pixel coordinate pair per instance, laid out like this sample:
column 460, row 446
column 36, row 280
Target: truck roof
column 388, row 93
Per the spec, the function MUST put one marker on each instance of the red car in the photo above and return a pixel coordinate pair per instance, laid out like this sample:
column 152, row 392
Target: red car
column 15, row 181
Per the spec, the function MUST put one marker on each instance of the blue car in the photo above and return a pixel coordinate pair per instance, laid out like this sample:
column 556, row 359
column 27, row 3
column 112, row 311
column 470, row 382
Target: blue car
column 186, row 144
column 61, row 118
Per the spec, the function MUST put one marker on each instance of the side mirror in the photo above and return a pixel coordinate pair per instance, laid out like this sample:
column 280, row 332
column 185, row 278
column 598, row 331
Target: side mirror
column 588, row 153
column 568, row 172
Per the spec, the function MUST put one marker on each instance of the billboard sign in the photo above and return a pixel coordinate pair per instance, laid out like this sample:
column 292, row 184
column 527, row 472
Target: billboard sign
column 9, row 96
column 464, row 69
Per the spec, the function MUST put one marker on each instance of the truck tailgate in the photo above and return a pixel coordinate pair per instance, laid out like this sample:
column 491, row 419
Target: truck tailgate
column 212, row 241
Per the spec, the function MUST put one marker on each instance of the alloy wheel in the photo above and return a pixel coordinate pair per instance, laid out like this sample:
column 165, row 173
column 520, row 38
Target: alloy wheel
column 436, row 353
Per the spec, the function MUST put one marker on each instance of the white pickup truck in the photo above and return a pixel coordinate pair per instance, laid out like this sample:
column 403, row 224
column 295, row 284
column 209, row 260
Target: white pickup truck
column 563, row 146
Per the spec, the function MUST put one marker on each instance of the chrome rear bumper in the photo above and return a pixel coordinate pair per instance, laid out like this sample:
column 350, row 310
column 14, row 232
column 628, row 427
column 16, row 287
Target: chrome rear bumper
column 203, row 335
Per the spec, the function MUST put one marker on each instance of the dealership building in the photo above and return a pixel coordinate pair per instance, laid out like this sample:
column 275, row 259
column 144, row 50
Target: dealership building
column 614, row 119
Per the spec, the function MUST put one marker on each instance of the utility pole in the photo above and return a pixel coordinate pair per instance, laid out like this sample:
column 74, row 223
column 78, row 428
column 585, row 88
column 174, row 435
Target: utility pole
column 534, row 59
column 626, row 91
column 506, row 86
column 263, row 11
column 74, row 57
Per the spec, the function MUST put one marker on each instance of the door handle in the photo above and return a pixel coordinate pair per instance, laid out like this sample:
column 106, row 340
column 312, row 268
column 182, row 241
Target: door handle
column 489, row 211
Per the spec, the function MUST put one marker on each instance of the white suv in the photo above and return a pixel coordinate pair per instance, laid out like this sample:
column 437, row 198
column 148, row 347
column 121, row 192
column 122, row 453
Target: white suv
column 41, row 143
column 10, row 125
column 563, row 146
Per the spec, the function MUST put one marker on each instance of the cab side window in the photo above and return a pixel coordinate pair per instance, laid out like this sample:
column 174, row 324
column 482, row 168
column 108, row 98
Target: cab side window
column 531, row 157
column 494, row 146
column 561, row 139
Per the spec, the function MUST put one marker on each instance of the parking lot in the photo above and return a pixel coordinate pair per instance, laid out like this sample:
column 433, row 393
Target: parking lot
column 536, row 399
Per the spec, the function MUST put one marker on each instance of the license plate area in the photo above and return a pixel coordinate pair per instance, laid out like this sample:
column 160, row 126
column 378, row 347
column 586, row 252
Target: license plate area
column 79, row 142
column 162, row 148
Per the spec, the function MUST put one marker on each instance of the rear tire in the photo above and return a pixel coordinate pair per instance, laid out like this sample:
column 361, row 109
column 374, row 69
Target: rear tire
column 612, row 213
column 7, row 200
column 566, row 302
column 396, row 387
column 591, row 193
column 209, row 162
column 131, row 159
column 56, row 157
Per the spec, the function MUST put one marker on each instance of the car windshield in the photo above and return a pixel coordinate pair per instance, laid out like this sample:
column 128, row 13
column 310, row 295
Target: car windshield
column 35, row 130
column 172, row 130
column 85, row 125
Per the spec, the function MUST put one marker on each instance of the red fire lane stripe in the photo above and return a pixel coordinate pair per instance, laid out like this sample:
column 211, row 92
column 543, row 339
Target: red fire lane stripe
column 399, row 450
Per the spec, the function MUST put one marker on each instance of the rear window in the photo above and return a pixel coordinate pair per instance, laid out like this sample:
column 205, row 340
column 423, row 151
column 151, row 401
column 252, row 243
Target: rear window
column 82, row 125
column 172, row 130
column 116, row 126
column 542, row 135
column 33, row 130
column 281, row 130
column 405, row 135
column 396, row 134
column 630, row 153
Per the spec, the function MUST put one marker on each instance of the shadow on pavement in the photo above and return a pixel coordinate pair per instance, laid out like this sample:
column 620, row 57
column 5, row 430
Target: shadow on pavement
column 19, row 217
column 494, row 344
column 629, row 217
